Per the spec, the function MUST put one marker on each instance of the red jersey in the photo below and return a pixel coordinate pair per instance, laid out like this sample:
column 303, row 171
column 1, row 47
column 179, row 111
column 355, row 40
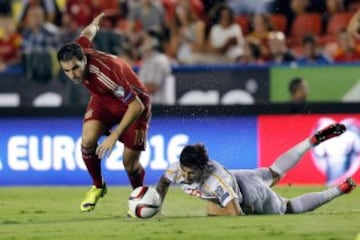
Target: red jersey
column 111, row 79
column 9, row 48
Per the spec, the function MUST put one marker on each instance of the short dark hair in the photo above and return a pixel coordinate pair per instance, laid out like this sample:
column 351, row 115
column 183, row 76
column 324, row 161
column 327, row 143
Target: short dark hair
column 308, row 38
column 220, row 10
column 294, row 84
column 194, row 156
column 158, row 39
column 69, row 51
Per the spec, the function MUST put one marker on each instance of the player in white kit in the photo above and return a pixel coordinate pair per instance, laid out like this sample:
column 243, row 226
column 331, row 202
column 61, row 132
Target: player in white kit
column 238, row 192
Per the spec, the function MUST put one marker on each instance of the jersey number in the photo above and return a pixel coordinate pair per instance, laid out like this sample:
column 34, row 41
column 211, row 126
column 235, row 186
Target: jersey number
column 139, row 137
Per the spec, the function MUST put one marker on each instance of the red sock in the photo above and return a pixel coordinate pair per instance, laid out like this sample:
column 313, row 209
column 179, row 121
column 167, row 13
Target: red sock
column 93, row 165
column 137, row 177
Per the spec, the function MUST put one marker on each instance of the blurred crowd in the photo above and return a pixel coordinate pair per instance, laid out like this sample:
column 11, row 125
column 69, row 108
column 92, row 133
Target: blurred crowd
column 187, row 31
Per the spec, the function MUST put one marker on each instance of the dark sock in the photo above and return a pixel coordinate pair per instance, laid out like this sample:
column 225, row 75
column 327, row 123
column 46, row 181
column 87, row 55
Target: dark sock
column 137, row 177
column 93, row 165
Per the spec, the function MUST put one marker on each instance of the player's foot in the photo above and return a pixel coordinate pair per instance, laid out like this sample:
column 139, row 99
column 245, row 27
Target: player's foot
column 328, row 132
column 91, row 198
column 130, row 214
column 347, row 186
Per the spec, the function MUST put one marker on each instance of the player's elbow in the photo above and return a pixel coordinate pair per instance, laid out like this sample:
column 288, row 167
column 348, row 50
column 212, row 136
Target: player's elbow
column 141, row 107
column 90, row 31
column 138, row 106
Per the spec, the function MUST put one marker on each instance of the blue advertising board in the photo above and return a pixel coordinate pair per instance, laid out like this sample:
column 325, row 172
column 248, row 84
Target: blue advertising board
column 46, row 151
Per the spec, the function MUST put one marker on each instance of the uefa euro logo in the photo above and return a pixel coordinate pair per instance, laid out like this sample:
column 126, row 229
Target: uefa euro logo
column 339, row 157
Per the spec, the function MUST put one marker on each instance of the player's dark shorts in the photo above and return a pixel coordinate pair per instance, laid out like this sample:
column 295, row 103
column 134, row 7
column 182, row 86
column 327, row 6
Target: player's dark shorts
column 135, row 136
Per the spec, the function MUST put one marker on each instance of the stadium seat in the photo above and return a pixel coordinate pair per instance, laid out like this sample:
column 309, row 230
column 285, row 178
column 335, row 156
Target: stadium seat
column 278, row 21
column 337, row 22
column 122, row 25
column 308, row 23
column 243, row 22
column 354, row 5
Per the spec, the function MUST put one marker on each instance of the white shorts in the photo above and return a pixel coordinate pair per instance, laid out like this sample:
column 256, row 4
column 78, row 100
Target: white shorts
column 258, row 197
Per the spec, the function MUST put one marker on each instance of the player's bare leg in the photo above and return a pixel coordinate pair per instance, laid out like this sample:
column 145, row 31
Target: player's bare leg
column 290, row 158
column 92, row 130
column 135, row 171
column 311, row 201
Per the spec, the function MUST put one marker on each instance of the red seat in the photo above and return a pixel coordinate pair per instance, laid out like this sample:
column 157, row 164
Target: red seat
column 354, row 5
column 122, row 25
column 337, row 22
column 278, row 21
column 308, row 23
column 243, row 22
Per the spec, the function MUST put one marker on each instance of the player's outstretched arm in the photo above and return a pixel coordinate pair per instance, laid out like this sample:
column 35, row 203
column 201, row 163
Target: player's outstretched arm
column 354, row 24
column 91, row 30
column 231, row 209
column 162, row 187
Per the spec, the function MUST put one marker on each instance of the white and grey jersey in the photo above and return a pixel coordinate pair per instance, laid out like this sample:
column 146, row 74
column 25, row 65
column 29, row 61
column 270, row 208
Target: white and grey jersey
column 219, row 187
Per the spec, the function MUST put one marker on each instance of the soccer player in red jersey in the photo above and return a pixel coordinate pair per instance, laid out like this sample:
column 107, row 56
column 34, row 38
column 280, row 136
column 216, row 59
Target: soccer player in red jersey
column 119, row 107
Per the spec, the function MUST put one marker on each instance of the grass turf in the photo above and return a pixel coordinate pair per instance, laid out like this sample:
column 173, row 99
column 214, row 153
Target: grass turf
column 53, row 213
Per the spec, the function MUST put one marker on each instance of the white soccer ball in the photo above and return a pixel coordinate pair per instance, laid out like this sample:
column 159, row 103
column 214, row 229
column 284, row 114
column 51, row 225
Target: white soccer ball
column 144, row 202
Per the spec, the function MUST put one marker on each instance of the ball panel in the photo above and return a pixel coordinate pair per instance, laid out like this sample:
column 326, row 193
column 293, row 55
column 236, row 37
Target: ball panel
column 138, row 193
column 144, row 202
column 146, row 210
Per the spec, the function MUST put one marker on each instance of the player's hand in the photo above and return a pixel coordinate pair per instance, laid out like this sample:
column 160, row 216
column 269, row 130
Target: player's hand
column 107, row 145
column 97, row 19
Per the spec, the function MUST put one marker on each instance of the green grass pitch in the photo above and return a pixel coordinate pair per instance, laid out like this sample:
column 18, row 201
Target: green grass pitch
column 53, row 213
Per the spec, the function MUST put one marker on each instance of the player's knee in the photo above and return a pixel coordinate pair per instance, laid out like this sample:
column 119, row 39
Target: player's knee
column 88, row 142
column 275, row 175
column 90, row 138
column 289, row 208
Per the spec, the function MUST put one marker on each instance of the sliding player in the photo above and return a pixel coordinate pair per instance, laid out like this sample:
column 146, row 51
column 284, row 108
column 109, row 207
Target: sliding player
column 239, row 192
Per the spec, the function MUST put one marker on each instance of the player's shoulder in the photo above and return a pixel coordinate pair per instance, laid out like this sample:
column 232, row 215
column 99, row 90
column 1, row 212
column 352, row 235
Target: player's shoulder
column 174, row 166
column 84, row 42
column 215, row 164
column 218, row 172
column 173, row 172
column 97, row 63
column 102, row 60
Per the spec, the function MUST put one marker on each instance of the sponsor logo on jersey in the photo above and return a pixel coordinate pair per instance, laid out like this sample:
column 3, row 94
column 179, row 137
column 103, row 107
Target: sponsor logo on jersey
column 89, row 113
column 221, row 193
column 119, row 91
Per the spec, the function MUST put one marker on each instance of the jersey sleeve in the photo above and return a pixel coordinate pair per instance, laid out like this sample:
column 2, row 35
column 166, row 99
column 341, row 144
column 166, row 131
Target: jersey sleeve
column 224, row 192
column 84, row 42
column 172, row 172
column 123, row 76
